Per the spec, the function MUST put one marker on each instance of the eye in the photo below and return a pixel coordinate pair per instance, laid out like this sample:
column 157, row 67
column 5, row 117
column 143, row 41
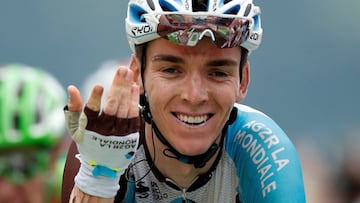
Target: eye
column 218, row 74
column 171, row 70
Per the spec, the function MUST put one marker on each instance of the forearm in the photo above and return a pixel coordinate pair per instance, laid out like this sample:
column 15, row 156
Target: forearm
column 78, row 196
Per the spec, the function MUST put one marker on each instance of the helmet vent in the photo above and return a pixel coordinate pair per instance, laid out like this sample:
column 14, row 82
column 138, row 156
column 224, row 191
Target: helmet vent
column 40, row 105
column 38, row 116
column 136, row 13
column 20, row 90
column 199, row 5
column 166, row 6
column 247, row 10
column 233, row 10
column 16, row 122
column 151, row 4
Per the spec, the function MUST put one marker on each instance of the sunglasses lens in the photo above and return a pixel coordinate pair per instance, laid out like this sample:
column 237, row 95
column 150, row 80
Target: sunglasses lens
column 189, row 29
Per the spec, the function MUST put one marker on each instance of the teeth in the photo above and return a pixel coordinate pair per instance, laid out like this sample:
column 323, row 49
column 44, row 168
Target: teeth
column 193, row 119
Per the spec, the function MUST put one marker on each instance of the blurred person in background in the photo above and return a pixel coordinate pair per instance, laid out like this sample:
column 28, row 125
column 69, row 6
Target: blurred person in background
column 319, row 173
column 32, row 141
column 349, row 174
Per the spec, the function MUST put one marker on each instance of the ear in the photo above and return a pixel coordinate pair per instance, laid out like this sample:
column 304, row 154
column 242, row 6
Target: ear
column 245, row 81
column 135, row 67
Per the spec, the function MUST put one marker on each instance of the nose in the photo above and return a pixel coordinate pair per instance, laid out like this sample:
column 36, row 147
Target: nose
column 195, row 90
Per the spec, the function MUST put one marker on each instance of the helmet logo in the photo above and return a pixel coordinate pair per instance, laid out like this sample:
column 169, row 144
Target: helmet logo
column 141, row 30
column 254, row 36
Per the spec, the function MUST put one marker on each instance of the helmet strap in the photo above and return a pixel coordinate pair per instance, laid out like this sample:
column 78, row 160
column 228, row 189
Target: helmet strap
column 198, row 161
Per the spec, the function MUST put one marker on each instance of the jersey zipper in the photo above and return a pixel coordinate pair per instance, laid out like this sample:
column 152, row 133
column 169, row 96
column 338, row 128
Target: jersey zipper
column 183, row 190
column 184, row 195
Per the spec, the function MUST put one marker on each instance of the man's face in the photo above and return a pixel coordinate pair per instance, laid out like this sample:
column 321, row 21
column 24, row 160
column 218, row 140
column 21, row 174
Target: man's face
column 191, row 91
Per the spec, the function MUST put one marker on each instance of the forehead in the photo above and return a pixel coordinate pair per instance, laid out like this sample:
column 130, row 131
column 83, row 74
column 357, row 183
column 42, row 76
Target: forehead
column 204, row 49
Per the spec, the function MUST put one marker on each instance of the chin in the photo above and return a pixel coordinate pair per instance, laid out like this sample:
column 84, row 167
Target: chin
column 192, row 149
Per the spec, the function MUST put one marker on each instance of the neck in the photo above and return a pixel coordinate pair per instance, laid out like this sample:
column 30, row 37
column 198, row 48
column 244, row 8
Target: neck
column 182, row 174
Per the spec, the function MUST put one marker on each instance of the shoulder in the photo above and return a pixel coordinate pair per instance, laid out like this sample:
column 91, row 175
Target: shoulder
column 254, row 124
column 254, row 135
column 265, row 158
column 246, row 113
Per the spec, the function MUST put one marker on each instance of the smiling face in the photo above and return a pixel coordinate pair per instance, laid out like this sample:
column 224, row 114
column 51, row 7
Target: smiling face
column 191, row 91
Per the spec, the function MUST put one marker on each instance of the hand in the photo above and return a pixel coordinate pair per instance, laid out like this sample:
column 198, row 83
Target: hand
column 108, row 140
column 122, row 99
column 122, row 102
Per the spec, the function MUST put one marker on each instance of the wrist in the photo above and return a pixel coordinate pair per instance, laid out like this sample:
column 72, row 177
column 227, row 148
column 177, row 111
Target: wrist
column 99, row 186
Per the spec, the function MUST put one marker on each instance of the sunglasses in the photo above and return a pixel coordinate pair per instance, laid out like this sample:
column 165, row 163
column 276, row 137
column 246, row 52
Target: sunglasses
column 20, row 166
column 182, row 29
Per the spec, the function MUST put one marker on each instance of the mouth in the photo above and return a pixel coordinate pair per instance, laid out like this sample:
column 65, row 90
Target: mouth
column 193, row 120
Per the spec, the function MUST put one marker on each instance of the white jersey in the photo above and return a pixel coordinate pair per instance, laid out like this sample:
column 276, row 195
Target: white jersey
column 258, row 163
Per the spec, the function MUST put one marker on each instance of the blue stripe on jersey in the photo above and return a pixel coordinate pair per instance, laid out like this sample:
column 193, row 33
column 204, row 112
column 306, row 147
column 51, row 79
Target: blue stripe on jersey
column 266, row 160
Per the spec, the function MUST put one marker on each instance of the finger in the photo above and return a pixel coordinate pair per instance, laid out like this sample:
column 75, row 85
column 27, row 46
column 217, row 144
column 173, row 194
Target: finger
column 75, row 101
column 134, row 104
column 94, row 101
column 125, row 98
column 118, row 89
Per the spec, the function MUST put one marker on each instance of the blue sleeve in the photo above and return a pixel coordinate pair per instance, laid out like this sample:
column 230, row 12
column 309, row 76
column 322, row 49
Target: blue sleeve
column 267, row 164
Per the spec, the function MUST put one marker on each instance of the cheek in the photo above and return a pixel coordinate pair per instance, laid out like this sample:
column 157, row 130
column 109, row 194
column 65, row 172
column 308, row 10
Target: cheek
column 157, row 95
column 237, row 91
column 228, row 93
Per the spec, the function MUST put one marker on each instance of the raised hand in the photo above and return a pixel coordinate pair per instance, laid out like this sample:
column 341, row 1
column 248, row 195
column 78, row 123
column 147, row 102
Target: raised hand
column 106, row 138
column 122, row 99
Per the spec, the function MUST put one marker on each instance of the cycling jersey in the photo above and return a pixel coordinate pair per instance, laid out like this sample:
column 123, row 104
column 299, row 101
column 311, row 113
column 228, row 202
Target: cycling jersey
column 257, row 163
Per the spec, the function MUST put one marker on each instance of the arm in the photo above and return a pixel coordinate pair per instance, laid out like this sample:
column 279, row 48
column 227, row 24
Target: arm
column 267, row 162
column 79, row 196
column 70, row 192
column 71, row 168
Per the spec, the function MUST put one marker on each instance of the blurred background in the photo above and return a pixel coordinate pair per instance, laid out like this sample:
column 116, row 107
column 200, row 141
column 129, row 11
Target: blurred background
column 305, row 75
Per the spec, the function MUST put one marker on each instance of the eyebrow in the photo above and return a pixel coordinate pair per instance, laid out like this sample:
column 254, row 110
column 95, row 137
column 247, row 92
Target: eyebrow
column 175, row 59
column 223, row 62
column 167, row 58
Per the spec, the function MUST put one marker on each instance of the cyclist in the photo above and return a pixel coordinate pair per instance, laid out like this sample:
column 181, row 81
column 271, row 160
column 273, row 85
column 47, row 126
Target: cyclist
column 31, row 135
column 194, row 142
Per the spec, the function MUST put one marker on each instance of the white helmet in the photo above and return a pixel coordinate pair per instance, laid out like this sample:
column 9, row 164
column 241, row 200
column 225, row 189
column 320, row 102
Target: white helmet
column 143, row 17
